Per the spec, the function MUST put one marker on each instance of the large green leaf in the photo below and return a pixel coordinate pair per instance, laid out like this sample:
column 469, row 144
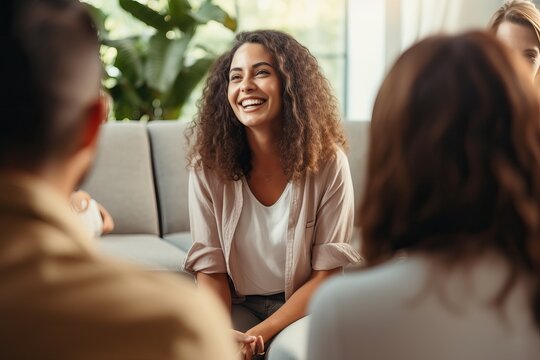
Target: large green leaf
column 209, row 11
column 153, row 79
column 208, row 50
column 130, row 94
column 164, row 61
column 179, row 5
column 181, row 16
column 128, row 59
column 126, row 102
column 186, row 81
column 145, row 14
column 99, row 18
column 123, row 110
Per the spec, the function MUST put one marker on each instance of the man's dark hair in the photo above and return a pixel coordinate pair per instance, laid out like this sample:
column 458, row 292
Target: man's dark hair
column 49, row 66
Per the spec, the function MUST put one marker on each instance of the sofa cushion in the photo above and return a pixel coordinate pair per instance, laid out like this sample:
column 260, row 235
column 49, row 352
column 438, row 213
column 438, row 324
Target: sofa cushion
column 147, row 250
column 122, row 178
column 181, row 240
column 169, row 155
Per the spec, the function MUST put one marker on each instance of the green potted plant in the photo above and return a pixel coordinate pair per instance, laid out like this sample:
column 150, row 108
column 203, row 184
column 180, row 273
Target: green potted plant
column 153, row 76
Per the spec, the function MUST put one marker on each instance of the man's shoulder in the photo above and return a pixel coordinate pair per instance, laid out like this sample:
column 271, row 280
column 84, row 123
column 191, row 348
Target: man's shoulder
column 126, row 282
column 101, row 300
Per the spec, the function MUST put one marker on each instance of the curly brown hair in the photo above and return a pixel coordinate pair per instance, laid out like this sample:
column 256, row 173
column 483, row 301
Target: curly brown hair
column 454, row 161
column 311, row 130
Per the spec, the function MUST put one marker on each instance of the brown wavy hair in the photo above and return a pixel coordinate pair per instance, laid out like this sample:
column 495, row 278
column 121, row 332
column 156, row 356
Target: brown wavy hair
column 312, row 128
column 454, row 160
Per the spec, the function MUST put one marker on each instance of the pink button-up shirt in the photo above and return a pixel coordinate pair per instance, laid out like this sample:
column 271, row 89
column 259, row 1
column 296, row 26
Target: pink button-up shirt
column 319, row 229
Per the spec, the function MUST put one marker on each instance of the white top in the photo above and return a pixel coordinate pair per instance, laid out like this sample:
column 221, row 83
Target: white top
column 260, row 241
column 320, row 224
column 416, row 309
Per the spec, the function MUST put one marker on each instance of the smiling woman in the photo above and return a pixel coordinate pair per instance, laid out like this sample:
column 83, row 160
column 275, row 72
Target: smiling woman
column 271, row 203
column 255, row 88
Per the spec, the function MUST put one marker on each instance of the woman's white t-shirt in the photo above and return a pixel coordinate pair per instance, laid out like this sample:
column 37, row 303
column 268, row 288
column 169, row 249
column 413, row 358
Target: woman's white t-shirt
column 260, row 242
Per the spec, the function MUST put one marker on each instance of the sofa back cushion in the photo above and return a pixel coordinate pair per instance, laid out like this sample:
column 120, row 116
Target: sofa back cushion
column 132, row 156
column 171, row 174
column 169, row 155
column 122, row 178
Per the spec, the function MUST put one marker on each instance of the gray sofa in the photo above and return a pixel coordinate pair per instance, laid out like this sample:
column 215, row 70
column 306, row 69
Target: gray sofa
column 140, row 176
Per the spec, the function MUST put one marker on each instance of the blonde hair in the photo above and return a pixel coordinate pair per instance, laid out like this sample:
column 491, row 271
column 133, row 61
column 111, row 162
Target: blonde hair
column 522, row 12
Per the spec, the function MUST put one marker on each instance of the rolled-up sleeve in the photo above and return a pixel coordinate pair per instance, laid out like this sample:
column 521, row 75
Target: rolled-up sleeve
column 333, row 255
column 206, row 252
column 335, row 219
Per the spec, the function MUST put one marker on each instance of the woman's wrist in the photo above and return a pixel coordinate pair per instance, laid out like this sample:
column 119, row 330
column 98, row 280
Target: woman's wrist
column 266, row 329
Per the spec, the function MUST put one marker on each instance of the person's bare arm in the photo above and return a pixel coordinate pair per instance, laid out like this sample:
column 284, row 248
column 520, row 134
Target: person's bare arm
column 108, row 222
column 80, row 200
column 219, row 285
column 294, row 308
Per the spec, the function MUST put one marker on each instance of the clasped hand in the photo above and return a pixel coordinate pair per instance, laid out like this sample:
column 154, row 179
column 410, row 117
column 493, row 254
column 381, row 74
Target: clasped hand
column 249, row 345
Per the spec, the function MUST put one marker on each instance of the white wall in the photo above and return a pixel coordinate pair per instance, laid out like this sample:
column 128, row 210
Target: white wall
column 366, row 55
column 474, row 14
column 378, row 30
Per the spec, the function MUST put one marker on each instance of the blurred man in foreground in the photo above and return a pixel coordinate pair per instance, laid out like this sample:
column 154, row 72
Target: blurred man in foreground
column 58, row 298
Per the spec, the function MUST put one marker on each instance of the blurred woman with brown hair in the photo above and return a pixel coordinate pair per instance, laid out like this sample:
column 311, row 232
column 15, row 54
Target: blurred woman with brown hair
column 451, row 215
